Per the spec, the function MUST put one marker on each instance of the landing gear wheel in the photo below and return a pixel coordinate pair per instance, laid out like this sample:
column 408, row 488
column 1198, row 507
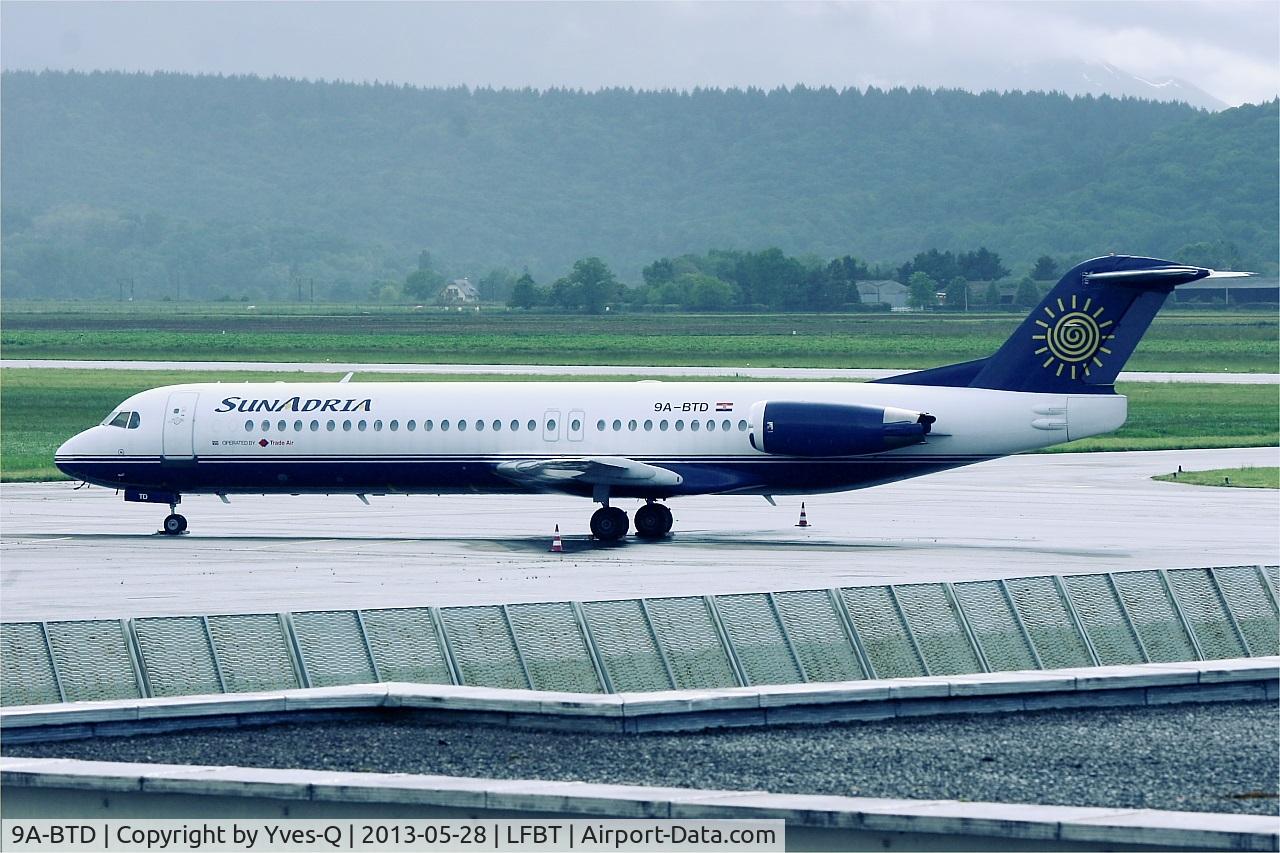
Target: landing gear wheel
column 174, row 524
column 653, row 521
column 609, row 524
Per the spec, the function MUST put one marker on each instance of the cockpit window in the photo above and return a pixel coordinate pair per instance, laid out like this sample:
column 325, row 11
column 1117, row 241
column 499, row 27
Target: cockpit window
column 125, row 420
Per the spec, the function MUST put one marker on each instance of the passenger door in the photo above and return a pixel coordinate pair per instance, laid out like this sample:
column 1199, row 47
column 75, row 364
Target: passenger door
column 179, row 426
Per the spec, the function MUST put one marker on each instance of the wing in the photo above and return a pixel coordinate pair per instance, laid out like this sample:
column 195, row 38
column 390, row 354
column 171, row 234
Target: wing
column 594, row 471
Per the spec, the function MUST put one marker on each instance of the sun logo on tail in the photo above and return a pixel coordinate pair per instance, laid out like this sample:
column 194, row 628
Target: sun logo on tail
column 1074, row 338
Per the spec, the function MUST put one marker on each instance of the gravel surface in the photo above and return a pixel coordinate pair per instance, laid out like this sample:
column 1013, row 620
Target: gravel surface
column 1213, row 757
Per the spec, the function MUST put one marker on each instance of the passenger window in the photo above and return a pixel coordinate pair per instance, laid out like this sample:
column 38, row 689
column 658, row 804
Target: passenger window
column 725, row 425
column 429, row 425
column 281, row 426
column 497, row 425
column 297, row 426
column 533, row 425
column 742, row 426
column 617, row 425
column 444, row 425
column 631, row 425
column 362, row 425
column 395, row 425
column 662, row 425
column 315, row 426
column 266, row 426
column 346, row 426
column 330, row 426
column 248, row 426
column 377, row 425
column 479, row 426
column 462, row 425
column 680, row 425
column 551, row 425
column 648, row 426
column 576, row 425
column 134, row 420
column 411, row 425
column 695, row 425
column 515, row 426
column 600, row 425
column 711, row 426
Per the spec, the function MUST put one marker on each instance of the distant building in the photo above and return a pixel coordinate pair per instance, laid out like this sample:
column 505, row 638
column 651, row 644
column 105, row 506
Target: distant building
column 892, row 293
column 1231, row 291
column 460, row 291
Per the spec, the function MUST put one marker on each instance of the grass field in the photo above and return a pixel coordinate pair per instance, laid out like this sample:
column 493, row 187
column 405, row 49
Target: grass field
column 1236, row 478
column 1178, row 341
column 41, row 408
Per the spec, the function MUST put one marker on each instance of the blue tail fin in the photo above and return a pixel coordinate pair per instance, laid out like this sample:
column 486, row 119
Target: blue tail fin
column 1077, row 339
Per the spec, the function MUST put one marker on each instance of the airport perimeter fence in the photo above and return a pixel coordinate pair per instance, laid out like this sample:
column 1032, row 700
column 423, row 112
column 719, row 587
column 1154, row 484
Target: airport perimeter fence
column 819, row 635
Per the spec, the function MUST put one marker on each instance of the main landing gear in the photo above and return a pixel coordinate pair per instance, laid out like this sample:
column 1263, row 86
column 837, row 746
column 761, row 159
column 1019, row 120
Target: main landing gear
column 653, row 521
column 173, row 522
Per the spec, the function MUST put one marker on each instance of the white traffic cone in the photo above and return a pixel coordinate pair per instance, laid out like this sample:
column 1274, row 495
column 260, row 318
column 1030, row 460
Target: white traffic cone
column 804, row 520
column 557, row 546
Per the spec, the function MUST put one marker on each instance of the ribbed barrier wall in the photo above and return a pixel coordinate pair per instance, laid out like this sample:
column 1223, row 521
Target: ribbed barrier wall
column 846, row 634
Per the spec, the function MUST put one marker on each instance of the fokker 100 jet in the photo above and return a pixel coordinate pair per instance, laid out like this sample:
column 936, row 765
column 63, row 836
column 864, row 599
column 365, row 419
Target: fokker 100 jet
column 1051, row 382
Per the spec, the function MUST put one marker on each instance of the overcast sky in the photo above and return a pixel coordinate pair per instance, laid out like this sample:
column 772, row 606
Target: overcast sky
column 1229, row 49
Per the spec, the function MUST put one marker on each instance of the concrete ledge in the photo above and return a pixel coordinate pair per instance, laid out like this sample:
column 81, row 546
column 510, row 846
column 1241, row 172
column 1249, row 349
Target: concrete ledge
column 220, row 791
column 998, row 692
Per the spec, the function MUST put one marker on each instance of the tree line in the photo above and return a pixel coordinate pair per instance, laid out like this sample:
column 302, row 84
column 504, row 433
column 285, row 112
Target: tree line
column 207, row 187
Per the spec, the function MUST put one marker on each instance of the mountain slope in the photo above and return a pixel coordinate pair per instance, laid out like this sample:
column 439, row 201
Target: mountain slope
column 230, row 185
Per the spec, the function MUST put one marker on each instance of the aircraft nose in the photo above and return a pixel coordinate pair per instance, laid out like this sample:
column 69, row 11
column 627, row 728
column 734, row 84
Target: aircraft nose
column 64, row 456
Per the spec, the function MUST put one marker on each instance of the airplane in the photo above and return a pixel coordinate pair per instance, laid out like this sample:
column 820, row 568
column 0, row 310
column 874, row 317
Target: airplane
column 1051, row 382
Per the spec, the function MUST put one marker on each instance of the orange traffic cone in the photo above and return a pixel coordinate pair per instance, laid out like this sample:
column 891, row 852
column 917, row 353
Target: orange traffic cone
column 804, row 520
column 557, row 547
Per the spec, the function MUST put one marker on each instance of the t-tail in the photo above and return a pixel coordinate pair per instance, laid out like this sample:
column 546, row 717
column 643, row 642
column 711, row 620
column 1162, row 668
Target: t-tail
column 1078, row 339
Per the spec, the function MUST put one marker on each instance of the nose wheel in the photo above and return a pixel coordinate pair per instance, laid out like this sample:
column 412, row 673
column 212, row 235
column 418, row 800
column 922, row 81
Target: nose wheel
column 653, row 521
column 174, row 524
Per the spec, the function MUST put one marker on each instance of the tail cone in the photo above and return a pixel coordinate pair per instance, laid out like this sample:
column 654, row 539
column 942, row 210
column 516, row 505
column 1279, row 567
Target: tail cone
column 804, row 519
column 557, row 546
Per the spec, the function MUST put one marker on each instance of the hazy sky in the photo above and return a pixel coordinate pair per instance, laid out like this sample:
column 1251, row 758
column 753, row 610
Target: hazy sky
column 1230, row 49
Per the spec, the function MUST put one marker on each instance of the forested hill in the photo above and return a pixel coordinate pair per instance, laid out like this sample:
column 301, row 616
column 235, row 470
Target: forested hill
column 242, row 184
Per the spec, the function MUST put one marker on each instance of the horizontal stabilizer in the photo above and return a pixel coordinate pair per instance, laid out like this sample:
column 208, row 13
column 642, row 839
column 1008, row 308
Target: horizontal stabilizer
column 1162, row 276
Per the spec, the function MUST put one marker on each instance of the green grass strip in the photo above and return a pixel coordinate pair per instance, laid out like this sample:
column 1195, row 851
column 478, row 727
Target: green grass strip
column 1247, row 477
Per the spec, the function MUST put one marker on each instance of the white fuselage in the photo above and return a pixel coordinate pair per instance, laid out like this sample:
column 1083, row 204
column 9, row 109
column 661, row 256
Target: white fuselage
column 449, row 437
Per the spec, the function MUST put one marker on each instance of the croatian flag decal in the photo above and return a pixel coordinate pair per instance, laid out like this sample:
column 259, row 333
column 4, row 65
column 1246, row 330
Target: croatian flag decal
column 724, row 407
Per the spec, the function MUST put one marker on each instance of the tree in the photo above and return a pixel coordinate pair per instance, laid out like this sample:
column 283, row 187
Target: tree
column 525, row 294
column 1046, row 269
column 924, row 291
column 704, row 292
column 1027, row 295
column 591, row 285
column 992, row 297
column 496, row 285
column 659, row 272
column 958, row 294
column 982, row 265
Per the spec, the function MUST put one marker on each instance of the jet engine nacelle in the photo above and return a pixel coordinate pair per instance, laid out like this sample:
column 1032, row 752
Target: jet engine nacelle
column 834, row 429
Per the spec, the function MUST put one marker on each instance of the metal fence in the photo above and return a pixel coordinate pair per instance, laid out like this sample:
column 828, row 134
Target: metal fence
column 852, row 633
